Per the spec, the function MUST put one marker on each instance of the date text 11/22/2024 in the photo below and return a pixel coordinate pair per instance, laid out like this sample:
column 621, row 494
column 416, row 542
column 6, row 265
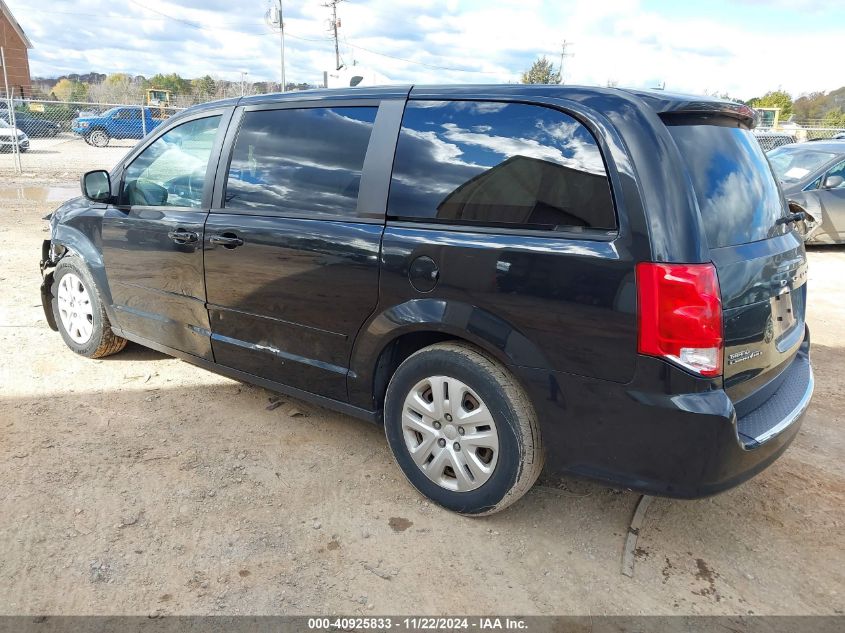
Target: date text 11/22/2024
column 416, row 623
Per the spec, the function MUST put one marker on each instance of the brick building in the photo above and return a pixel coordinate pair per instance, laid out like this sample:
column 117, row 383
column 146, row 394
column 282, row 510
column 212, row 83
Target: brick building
column 16, row 47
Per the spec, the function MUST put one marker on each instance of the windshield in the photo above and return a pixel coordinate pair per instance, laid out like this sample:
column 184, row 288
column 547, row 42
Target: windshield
column 737, row 194
column 791, row 164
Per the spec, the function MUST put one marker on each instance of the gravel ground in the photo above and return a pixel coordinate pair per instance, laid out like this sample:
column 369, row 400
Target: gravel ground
column 139, row 484
column 62, row 157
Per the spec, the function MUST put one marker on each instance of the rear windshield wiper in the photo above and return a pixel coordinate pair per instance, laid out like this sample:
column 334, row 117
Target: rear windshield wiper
column 798, row 216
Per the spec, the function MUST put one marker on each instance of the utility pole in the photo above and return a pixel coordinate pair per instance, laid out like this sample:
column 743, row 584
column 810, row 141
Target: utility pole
column 332, row 4
column 275, row 18
column 282, row 42
column 10, row 108
column 563, row 54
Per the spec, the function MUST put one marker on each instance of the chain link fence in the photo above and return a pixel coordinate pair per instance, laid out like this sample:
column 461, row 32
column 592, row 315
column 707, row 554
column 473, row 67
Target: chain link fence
column 797, row 131
column 69, row 137
column 66, row 133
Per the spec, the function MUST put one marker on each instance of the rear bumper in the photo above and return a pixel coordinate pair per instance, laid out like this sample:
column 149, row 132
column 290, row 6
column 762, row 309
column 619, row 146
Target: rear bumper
column 665, row 433
column 786, row 407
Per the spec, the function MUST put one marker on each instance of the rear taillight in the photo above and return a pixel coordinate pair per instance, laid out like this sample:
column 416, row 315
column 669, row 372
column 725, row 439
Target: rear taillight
column 680, row 315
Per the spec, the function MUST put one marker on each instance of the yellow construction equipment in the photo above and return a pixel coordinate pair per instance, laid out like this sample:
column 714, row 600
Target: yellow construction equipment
column 160, row 99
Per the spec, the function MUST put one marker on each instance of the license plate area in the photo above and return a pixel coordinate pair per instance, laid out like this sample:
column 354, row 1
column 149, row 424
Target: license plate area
column 783, row 313
column 787, row 314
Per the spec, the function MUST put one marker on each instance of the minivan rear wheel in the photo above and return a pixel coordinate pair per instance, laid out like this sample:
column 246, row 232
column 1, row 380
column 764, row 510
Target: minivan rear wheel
column 462, row 429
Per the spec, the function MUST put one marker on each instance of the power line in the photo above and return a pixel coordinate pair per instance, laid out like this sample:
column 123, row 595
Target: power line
column 411, row 61
column 332, row 4
column 200, row 27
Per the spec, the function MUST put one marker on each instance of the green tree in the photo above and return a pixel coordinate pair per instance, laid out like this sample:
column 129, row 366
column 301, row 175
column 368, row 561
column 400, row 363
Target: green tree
column 68, row 90
column 774, row 99
column 117, row 80
column 172, row 82
column 542, row 71
column 811, row 106
column 204, row 87
column 834, row 118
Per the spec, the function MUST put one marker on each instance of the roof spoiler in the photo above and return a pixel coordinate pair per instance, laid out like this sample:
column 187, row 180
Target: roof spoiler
column 739, row 111
column 674, row 106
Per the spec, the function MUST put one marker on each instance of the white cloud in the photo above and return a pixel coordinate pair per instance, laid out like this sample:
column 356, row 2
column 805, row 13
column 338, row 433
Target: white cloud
column 618, row 41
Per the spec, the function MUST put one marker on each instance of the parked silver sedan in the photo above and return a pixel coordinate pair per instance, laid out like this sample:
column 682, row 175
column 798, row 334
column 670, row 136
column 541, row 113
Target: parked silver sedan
column 812, row 176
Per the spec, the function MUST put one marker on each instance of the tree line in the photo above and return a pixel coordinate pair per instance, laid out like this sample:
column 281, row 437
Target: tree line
column 129, row 89
column 825, row 109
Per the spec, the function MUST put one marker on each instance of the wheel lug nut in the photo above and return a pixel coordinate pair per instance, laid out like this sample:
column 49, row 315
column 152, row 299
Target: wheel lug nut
column 461, row 430
column 441, row 442
column 437, row 425
column 456, row 446
column 448, row 417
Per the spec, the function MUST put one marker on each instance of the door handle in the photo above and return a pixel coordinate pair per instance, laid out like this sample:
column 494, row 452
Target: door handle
column 183, row 237
column 226, row 240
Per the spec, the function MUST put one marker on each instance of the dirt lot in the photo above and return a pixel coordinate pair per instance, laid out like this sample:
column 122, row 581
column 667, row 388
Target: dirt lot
column 140, row 484
column 62, row 157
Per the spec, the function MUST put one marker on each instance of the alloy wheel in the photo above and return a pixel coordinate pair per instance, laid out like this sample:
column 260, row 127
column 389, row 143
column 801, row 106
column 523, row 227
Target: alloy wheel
column 75, row 310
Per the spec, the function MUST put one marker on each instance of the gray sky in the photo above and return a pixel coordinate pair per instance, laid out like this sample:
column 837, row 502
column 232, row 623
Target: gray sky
column 744, row 47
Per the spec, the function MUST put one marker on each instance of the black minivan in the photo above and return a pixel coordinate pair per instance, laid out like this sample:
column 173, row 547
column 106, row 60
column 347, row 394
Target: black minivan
column 604, row 281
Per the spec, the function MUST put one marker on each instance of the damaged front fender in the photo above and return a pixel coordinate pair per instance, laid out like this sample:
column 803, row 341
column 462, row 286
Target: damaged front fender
column 47, row 262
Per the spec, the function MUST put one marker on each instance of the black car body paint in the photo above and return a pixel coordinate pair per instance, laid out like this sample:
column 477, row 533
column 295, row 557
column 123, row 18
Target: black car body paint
column 325, row 306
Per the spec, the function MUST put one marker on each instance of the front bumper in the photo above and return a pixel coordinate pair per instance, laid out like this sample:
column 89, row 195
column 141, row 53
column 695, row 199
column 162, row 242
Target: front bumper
column 47, row 285
column 7, row 144
column 666, row 433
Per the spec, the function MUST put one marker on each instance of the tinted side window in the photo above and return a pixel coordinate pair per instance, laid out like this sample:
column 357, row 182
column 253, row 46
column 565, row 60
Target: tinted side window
column 300, row 160
column 171, row 171
column 498, row 164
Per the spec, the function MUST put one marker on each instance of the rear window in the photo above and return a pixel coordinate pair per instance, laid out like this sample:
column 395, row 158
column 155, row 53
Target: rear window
column 504, row 165
column 739, row 199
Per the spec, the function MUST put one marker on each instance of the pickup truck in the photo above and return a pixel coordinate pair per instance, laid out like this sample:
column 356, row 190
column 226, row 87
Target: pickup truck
column 118, row 123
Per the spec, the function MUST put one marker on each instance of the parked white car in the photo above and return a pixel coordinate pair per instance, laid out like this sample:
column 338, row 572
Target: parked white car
column 8, row 135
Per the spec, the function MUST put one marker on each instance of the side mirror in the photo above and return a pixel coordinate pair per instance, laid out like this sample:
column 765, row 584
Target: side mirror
column 833, row 182
column 96, row 186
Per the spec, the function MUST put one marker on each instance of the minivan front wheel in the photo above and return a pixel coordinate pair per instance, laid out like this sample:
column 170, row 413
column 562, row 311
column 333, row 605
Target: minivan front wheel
column 79, row 313
column 462, row 429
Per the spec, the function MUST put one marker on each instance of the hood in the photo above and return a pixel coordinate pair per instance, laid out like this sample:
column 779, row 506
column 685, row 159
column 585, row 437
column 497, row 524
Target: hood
column 792, row 188
column 8, row 132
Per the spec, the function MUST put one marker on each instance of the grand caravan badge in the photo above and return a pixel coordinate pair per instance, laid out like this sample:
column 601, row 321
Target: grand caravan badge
column 742, row 356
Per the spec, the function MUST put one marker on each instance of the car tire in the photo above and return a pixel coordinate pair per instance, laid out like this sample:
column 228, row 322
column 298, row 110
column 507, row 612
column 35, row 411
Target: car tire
column 76, row 302
column 501, row 455
column 98, row 138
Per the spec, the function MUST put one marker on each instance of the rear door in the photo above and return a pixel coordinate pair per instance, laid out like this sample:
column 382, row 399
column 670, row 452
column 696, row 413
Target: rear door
column 292, row 244
column 760, row 260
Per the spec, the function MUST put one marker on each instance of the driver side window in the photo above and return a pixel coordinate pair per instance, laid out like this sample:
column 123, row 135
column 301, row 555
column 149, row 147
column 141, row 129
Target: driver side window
column 171, row 171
